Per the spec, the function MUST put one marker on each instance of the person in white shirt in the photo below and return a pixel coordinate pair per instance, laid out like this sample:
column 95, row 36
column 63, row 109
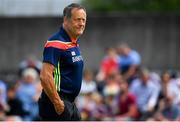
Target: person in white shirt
column 88, row 85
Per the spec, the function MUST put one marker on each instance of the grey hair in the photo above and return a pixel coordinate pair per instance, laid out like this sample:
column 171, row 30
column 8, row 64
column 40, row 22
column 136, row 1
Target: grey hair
column 67, row 10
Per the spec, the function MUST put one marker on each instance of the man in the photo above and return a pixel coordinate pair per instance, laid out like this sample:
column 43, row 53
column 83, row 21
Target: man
column 109, row 64
column 146, row 93
column 26, row 92
column 129, row 62
column 61, row 73
column 127, row 105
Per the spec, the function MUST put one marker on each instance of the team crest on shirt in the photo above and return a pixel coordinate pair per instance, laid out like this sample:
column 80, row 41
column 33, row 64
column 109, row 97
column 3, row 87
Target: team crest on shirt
column 73, row 53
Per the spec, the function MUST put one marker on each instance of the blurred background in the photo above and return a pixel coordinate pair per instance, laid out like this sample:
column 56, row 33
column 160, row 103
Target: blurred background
column 125, row 41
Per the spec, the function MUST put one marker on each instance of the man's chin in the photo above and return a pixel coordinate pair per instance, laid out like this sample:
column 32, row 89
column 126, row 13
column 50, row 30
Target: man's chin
column 80, row 33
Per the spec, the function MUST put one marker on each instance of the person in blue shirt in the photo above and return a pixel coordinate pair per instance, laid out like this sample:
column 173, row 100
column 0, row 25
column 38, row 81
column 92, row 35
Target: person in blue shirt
column 146, row 93
column 61, row 73
column 26, row 93
column 129, row 62
column 3, row 95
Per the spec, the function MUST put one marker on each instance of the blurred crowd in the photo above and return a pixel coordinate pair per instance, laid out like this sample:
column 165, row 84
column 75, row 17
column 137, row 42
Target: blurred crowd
column 19, row 97
column 121, row 90
column 124, row 90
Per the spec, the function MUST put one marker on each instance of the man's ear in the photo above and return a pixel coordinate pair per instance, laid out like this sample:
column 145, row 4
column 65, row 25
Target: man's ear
column 65, row 19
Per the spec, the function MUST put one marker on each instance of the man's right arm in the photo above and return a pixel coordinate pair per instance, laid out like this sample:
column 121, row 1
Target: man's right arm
column 47, row 82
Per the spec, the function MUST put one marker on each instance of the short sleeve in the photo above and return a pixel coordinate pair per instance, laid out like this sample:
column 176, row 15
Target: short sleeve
column 51, row 55
column 136, row 59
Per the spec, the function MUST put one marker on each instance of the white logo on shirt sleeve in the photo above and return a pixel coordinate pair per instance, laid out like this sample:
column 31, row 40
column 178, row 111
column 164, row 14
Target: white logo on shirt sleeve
column 73, row 53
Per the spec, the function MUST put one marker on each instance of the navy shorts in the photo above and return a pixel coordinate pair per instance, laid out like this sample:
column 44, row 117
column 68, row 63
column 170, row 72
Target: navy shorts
column 47, row 111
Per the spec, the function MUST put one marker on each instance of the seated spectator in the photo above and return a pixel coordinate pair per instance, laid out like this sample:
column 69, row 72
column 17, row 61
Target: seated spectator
column 3, row 95
column 85, row 114
column 129, row 61
column 91, row 106
column 127, row 106
column 110, row 103
column 100, row 111
column 86, row 106
column 109, row 65
column 146, row 93
column 174, row 92
column 30, row 62
column 165, row 85
column 15, row 105
column 110, row 92
column 27, row 93
column 167, row 111
column 156, row 79
column 170, row 88
column 88, row 85
column 112, row 86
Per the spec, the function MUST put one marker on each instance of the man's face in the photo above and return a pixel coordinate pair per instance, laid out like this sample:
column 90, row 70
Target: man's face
column 76, row 24
column 166, row 78
column 124, row 51
column 145, row 78
column 123, row 86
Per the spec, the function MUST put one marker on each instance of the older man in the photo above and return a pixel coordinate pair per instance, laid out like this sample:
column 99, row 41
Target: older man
column 61, row 74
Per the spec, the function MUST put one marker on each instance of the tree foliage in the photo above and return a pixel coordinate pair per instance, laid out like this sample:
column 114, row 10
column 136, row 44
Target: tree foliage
column 132, row 5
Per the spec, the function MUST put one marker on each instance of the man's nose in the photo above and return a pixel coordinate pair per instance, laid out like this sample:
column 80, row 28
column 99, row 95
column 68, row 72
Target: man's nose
column 81, row 22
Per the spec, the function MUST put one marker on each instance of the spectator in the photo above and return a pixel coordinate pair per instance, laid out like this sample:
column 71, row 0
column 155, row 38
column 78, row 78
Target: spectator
column 146, row 93
column 165, row 83
column 109, row 65
column 92, row 106
column 129, row 62
column 100, row 112
column 3, row 95
column 127, row 106
column 110, row 103
column 86, row 105
column 110, row 92
column 167, row 111
column 85, row 114
column 27, row 93
column 84, row 101
column 15, row 105
column 88, row 85
column 174, row 92
column 30, row 62
column 170, row 88
column 155, row 78
column 112, row 85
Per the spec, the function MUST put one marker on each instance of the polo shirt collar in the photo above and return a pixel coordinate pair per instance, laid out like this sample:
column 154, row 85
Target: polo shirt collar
column 66, row 36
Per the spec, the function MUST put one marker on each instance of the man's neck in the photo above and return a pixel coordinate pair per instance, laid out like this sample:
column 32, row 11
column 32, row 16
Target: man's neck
column 73, row 38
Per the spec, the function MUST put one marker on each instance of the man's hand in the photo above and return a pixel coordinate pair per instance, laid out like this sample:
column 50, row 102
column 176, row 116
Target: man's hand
column 47, row 82
column 59, row 107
